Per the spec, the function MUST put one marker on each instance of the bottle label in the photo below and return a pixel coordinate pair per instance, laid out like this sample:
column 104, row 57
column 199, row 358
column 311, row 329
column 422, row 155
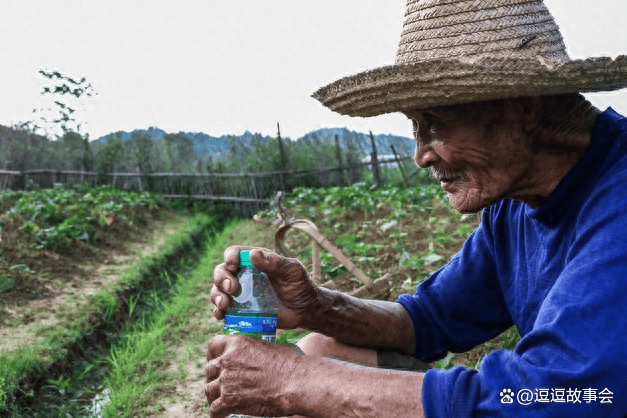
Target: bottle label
column 258, row 325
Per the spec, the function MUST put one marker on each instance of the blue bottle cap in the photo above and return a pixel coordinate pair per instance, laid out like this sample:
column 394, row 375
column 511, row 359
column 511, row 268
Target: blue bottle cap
column 244, row 258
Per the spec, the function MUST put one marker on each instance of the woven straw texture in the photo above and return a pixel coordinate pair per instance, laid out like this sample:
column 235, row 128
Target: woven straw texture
column 459, row 51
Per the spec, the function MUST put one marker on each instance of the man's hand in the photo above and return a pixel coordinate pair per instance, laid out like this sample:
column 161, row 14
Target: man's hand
column 248, row 376
column 297, row 293
column 253, row 377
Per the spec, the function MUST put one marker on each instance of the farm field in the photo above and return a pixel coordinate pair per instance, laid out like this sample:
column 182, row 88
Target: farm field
column 69, row 259
column 155, row 364
column 53, row 273
column 404, row 233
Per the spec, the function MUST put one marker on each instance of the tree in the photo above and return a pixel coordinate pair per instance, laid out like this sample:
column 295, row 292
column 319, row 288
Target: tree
column 22, row 149
column 75, row 152
column 180, row 152
column 67, row 94
column 141, row 146
column 108, row 158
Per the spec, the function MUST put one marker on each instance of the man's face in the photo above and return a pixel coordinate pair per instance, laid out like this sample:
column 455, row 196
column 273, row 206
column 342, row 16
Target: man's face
column 479, row 152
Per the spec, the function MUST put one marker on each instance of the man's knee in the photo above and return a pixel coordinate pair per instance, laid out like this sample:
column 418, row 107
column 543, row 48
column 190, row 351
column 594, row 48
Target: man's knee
column 318, row 345
column 322, row 346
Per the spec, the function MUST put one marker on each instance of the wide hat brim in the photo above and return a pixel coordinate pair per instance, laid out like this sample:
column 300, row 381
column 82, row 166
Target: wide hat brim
column 448, row 81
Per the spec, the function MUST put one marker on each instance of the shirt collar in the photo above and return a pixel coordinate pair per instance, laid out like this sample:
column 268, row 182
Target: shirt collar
column 606, row 127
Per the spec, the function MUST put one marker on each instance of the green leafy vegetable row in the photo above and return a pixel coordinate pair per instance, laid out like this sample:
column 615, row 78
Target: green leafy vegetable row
column 360, row 195
column 54, row 216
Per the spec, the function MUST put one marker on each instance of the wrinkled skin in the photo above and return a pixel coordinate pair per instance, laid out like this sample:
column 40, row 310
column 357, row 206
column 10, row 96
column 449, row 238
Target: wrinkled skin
column 297, row 293
column 483, row 152
column 247, row 375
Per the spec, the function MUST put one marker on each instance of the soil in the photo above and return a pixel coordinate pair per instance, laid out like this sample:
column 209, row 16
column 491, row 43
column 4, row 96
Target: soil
column 51, row 286
column 433, row 230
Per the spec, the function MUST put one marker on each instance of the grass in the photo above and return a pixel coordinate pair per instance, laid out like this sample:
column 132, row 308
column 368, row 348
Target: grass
column 155, row 355
column 64, row 355
column 145, row 364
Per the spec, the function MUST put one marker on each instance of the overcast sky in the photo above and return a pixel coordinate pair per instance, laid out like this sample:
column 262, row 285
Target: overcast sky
column 227, row 66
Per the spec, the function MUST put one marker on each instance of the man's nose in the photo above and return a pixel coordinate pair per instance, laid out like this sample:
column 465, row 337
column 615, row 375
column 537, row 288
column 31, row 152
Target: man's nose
column 425, row 156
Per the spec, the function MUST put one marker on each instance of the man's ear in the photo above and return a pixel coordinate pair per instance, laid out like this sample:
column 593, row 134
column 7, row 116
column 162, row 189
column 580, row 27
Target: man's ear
column 530, row 109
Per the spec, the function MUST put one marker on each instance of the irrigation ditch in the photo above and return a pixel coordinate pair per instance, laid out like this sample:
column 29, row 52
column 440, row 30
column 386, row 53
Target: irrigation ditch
column 74, row 359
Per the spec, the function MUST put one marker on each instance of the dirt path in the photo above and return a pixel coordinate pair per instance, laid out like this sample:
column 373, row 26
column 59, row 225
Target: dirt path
column 187, row 399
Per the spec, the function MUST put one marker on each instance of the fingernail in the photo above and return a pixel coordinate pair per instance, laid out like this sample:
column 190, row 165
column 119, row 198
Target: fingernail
column 227, row 285
column 265, row 255
column 218, row 300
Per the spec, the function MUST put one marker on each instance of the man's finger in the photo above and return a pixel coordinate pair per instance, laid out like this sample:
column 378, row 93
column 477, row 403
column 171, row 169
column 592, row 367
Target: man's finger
column 218, row 314
column 216, row 347
column 216, row 409
column 266, row 261
column 212, row 391
column 219, row 299
column 224, row 279
column 212, row 370
column 231, row 257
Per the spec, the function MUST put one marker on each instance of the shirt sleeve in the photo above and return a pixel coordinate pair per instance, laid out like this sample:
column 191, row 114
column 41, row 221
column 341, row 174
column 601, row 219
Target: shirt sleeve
column 462, row 304
column 573, row 361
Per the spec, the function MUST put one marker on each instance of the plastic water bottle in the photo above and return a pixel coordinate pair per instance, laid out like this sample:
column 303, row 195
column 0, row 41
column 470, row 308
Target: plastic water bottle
column 254, row 309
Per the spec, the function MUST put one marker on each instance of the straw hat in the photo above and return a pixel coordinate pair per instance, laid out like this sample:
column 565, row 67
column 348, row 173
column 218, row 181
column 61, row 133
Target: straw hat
column 459, row 51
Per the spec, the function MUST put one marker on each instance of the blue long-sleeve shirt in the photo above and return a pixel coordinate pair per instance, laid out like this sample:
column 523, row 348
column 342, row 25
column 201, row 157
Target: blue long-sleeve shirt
column 559, row 273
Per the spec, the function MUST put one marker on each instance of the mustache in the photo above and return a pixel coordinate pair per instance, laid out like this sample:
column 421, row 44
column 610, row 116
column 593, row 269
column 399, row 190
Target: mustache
column 440, row 173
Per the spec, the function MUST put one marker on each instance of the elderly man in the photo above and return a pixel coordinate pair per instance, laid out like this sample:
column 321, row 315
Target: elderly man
column 498, row 118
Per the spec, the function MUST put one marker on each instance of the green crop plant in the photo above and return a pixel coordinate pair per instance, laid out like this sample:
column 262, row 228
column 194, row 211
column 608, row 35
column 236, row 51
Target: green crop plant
column 365, row 197
column 57, row 216
column 464, row 230
column 410, row 260
column 61, row 384
column 445, row 239
column 362, row 249
column 445, row 363
column 346, row 242
column 330, row 266
column 6, row 283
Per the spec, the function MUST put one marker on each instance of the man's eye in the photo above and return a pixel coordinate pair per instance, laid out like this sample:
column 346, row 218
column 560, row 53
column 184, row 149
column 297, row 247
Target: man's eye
column 431, row 127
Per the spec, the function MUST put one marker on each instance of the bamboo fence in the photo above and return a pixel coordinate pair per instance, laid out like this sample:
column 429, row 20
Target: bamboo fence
column 248, row 192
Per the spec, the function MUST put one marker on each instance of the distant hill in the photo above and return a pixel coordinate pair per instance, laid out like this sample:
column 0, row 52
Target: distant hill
column 204, row 145
column 403, row 146
column 219, row 147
